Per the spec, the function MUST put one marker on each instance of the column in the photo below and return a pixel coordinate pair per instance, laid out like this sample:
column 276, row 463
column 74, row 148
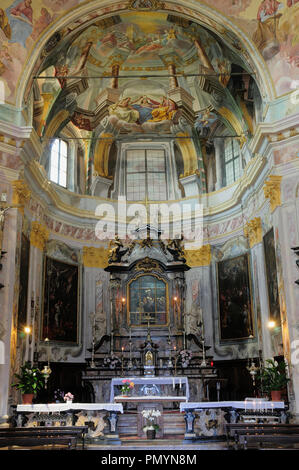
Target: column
column 219, row 153
column 286, row 233
column 114, row 71
column 9, row 277
column 173, row 82
column 253, row 230
column 38, row 238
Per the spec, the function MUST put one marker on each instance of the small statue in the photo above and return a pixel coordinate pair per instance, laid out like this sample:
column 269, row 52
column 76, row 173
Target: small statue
column 175, row 248
column 149, row 359
column 115, row 252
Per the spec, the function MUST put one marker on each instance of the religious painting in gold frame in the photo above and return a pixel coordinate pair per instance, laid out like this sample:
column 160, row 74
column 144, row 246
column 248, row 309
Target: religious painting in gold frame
column 148, row 302
column 61, row 301
column 234, row 298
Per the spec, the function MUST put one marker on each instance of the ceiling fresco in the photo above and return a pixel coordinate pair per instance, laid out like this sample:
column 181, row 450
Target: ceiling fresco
column 141, row 76
column 272, row 26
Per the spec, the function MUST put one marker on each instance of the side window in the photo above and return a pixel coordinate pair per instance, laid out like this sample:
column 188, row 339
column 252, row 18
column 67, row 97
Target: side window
column 58, row 162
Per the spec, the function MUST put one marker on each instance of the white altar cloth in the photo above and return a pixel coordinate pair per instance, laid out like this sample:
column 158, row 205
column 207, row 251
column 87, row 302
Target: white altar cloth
column 152, row 380
column 257, row 405
column 58, row 407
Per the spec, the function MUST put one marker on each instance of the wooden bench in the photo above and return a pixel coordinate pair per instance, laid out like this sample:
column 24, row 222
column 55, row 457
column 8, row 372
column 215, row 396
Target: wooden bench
column 33, row 441
column 45, row 432
column 235, row 430
column 259, row 441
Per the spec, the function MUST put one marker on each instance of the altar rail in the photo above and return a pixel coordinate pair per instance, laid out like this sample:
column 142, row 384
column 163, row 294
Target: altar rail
column 233, row 411
column 73, row 414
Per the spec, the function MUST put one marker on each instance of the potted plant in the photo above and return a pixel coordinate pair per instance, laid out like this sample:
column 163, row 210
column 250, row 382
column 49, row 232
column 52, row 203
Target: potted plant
column 151, row 427
column 273, row 378
column 30, row 381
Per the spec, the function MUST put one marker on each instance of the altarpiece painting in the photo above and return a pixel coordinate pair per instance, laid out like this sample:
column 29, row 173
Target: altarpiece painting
column 234, row 294
column 271, row 274
column 61, row 301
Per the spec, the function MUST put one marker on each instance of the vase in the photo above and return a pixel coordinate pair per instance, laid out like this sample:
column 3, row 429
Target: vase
column 276, row 395
column 27, row 398
column 151, row 434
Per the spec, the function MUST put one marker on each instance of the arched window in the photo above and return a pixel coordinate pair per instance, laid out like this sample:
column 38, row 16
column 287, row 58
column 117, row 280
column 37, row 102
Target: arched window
column 147, row 304
column 146, row 175
column 58, row 162
column 232, row 161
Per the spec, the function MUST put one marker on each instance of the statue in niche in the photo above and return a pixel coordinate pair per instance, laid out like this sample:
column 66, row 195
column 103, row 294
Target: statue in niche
column 175, row 248
column 149, row 360
column 115, row 250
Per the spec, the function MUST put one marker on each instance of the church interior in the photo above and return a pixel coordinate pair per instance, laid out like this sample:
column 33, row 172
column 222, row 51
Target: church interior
column 149, row 224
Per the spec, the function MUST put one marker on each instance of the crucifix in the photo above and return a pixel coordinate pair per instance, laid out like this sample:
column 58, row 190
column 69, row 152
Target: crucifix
column 148, row 317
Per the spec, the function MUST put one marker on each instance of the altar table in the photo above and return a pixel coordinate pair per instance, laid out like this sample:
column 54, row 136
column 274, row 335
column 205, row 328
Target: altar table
column 179, row 383
column 258, row 410
column 72, row 414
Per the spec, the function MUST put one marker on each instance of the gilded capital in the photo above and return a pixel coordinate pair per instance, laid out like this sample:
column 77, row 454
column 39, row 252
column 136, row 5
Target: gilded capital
column 272, row 191
column 200, row 257
column 253, row 230
column 21, row 194
column 95, row 257
column 39, row 235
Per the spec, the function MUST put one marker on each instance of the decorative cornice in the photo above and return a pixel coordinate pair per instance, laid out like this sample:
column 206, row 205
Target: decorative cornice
column 21, row 194
column 39, row 235
column 253, row 230
column 272, row 191
column 200, row 257
column 95, row 257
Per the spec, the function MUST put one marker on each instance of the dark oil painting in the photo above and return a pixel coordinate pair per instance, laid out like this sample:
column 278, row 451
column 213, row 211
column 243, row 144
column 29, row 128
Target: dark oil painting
column 24, row 272
column 271, row 273
column 234, row 293
column 147, row 301
column 61, row 306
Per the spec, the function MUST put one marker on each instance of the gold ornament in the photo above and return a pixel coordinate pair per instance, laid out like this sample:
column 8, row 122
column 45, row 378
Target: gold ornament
column 253, row 230
column 95, row 257
column 39, row 235
column 200, row 257
column 272, row 191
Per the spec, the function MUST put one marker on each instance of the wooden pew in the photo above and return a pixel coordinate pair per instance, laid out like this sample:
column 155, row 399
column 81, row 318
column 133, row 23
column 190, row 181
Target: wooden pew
column 258, row 441
column 235, row 430
column 33, row 441
column 45, row 432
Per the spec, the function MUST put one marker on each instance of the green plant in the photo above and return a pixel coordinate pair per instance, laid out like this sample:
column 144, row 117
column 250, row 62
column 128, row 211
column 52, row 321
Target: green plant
column 273, row 376
column 30, row 380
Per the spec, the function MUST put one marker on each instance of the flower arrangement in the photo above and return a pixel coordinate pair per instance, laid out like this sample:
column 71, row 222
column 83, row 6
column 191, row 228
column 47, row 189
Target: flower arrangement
column 150, row 415
column 112, row 361
column 127, row 386
column 68, row 397
column 30, row 380
column 185, row 356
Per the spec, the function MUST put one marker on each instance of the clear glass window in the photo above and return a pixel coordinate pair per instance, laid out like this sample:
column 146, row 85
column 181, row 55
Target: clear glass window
column 58, row 162
column 232, row 161
column 146, row 175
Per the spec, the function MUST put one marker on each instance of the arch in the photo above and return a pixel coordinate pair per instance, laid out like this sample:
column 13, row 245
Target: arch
column 199, row 13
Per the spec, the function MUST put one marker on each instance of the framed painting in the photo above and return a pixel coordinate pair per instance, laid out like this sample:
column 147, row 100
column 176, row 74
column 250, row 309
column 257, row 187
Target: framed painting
column 148, row 301
column 271, row 275
column 60, row 301
column 234, row 297
column 24, row 273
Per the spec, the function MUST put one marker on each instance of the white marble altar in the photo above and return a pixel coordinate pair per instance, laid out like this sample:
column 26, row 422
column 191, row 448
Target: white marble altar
column 182, row 382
